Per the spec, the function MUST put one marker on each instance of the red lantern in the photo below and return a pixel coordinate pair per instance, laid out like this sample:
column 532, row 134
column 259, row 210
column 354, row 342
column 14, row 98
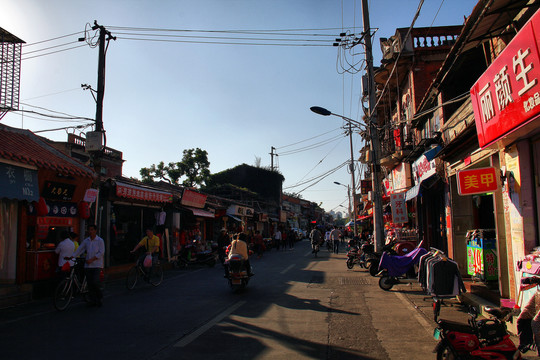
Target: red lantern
column 42, row 209
column 84, row 210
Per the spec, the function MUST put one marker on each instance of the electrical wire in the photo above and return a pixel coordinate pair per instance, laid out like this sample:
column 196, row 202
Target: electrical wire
column 313, row 146
column 55, row 118
column 311, row 138
column 331, row 171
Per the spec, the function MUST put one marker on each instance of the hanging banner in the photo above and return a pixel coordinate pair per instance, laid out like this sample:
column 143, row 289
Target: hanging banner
column 477, row 181
column 399, row 208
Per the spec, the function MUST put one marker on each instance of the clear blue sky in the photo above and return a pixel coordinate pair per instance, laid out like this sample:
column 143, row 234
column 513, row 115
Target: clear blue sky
column 234, row 101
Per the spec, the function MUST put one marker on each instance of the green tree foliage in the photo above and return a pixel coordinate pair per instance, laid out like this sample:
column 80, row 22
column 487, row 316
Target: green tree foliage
column 194, row 167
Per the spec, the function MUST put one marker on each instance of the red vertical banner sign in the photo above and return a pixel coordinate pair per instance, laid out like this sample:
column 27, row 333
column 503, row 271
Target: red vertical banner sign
column 399, row 208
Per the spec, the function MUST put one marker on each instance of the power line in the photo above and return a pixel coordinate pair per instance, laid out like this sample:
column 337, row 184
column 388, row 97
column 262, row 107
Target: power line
column 313, row 146
column 311, row 138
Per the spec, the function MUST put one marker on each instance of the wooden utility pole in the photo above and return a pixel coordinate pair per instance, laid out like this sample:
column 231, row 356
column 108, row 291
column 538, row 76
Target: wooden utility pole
column 374, row 134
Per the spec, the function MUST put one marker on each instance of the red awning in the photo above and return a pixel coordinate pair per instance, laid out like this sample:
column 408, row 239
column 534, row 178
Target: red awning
column 200, row 212
column 365, row 217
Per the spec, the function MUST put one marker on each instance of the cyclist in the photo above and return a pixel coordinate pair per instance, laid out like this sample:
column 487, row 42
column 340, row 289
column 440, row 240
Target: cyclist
column 151, row 244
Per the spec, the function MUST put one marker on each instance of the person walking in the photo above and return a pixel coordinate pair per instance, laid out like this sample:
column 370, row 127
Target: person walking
column 94, row 246
column 334, row 237
column 277, row 239
column 223, row 241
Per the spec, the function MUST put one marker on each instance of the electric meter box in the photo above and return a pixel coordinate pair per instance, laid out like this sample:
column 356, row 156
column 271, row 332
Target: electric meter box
column 94, row 141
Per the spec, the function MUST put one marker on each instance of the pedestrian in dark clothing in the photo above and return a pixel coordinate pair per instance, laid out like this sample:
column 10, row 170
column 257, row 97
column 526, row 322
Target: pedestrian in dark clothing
column 223, row 241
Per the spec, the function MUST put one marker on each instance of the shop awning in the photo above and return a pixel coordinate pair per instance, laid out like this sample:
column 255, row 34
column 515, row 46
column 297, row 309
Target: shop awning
column 200, row 212
column 412, row 192
column 130, row 191
column 234, row 217
column 365, row 217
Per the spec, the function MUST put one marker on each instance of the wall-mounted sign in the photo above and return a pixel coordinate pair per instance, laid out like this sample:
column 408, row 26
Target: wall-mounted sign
column 58, row 191
column 18, row 183
column 477, row 181
column 136, row 192
column 507, row 94
column 240, row 210
column 193, row 199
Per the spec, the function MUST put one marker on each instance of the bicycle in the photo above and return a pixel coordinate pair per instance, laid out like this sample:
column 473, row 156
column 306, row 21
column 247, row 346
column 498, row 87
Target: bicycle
column 153, row 276
column 72, row 285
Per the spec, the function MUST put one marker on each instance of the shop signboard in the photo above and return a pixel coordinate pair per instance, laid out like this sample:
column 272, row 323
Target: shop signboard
column 90, row 195
column 399, row 208
column 240, row 211
column 507, row 95
column 477, row 181
column 136, row 192
column 193, row 199
column 388, row 184
column 18, row 183
column 401, row 176
column 425, row 166
column 365, row 186
column 58, row 191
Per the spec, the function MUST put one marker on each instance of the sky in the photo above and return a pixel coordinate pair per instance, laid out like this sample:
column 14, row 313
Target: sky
column 194, row 85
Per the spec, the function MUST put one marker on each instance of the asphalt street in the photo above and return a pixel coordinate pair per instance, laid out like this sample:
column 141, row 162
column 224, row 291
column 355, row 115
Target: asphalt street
column 295, row 307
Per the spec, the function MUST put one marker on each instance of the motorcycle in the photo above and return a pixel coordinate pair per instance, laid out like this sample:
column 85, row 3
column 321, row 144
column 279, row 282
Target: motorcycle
column 238, row 277
column 364, row 256
column 480, row 339
column 399, row 269
column 190, row 256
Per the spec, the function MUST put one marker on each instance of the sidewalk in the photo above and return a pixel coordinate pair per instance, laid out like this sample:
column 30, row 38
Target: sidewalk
column 453, row 309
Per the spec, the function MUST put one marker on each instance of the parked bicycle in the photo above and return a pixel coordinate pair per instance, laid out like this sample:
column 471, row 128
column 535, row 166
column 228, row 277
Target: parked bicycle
column 73, row 285
column 152, row 275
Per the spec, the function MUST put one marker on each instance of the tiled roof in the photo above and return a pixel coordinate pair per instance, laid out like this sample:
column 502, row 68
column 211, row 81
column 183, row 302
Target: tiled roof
column 25, row 147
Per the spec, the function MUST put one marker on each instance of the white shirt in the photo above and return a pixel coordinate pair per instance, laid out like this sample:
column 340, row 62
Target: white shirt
column 277, row 235
column 93, row 248
column 64, row 249
column 334, row 234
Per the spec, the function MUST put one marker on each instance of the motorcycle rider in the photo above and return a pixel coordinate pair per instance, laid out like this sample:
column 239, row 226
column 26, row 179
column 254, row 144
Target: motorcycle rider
column 239, row 247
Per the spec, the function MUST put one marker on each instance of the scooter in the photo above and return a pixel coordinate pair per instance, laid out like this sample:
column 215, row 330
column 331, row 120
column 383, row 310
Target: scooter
column 399, row 269
column 238, row 276
column 189, row 256
column 482, row 339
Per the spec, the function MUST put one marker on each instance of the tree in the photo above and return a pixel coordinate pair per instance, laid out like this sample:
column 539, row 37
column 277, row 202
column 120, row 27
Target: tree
column 193, row 166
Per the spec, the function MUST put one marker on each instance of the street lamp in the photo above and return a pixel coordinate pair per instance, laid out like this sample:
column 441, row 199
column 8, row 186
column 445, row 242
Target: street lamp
column 349, row 196
column 375, row 149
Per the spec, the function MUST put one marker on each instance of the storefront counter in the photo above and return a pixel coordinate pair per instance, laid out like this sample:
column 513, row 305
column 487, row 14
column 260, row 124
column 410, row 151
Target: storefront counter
column 41, row 264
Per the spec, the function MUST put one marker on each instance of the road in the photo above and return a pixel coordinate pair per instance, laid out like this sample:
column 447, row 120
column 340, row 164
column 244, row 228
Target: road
column 295, row 307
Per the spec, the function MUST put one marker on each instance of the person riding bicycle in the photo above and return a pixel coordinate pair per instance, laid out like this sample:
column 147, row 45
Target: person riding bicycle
column 151, row 244
column 315, row 237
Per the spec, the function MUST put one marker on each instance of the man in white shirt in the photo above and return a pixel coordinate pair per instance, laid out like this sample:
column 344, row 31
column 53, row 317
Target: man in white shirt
column 65, row 248
column 95, row 251
column 334, row 236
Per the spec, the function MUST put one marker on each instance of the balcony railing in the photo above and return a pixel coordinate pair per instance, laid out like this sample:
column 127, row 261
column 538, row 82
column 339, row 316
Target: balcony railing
column 398, row 139
column 80, row 141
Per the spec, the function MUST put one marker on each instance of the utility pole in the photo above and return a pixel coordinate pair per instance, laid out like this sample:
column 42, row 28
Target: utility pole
column 353, row 185
column 101, row 72
column 272, row 157
column 374, row 134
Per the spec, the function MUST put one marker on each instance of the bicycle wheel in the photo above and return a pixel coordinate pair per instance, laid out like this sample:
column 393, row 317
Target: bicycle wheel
column 131, row 279
column 156, row 275
column 63, row 295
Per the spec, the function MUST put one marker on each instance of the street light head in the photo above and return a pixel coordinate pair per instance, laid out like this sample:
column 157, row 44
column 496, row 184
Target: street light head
column 337, row 183
column 320, row 110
